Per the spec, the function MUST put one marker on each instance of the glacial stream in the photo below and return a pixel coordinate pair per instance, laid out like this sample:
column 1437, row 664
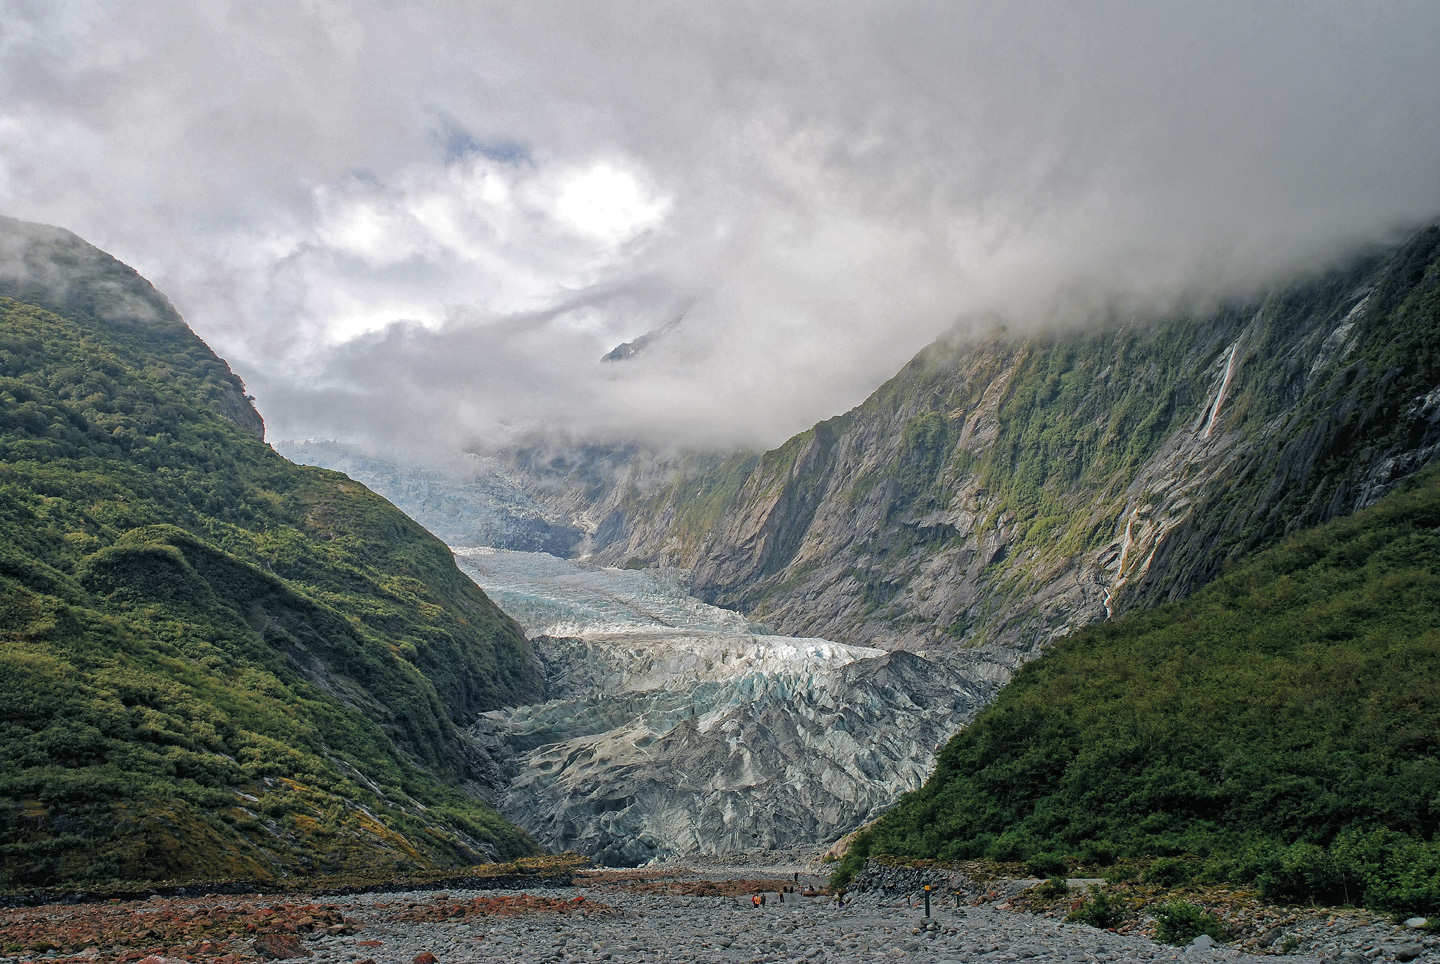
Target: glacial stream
column 673, row 728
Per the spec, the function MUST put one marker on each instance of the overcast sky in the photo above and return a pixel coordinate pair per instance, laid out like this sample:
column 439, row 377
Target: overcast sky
column 430, row 221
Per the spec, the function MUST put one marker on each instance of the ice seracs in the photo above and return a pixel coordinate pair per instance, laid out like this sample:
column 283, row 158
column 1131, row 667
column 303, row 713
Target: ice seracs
column 676, row 728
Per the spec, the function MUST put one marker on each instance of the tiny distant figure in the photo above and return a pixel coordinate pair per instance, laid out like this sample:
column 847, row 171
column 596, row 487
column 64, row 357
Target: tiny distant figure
column 782, row 896
column 797, row 876
column 755, row 901
column 808, row 891
column 840, row 899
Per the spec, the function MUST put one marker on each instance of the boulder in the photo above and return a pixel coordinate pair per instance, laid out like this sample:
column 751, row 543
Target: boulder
column 280, row 947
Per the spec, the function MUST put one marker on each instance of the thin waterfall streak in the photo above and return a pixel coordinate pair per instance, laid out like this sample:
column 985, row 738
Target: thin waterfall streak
column 1224, row 389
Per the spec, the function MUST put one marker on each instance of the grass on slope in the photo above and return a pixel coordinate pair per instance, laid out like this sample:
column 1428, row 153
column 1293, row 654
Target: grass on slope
column 215, row 663
column 1281, row 727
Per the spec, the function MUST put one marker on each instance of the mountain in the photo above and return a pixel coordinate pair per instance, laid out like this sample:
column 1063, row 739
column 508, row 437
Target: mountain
column 468, row 502
column 634, row 349
column 999, row 494
column 1013, row 488
column 214, row 663
column 1279, row 727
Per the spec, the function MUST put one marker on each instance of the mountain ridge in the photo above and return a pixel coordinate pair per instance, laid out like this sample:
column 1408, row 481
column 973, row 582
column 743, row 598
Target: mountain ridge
column 1276, row 729
column 216, row 664
column 1011, row 489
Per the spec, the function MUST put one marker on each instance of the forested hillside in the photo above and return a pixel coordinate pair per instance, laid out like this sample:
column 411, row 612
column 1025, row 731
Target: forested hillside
column 1281, row 727
column 213, row 663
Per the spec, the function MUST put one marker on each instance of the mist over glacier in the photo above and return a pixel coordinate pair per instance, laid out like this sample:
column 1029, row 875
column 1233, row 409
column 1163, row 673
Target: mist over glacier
column 672, row 728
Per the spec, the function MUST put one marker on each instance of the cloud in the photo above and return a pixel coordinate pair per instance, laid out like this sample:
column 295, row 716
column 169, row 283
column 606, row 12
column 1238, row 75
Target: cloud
column 405, row 223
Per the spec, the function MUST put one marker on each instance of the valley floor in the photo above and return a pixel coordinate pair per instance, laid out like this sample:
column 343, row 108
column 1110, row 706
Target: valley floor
column 671, row 914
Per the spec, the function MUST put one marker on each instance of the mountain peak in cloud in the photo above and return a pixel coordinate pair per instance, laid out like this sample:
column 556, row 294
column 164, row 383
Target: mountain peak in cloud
column 632, row 349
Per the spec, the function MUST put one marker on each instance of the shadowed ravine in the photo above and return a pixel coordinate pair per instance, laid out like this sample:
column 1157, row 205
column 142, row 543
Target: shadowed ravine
column 673, row 728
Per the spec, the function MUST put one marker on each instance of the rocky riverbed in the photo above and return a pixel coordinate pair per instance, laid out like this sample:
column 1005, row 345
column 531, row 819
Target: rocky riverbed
column 672, row 915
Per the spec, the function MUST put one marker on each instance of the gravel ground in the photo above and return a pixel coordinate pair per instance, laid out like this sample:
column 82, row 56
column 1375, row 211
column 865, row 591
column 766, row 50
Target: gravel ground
column 642, row 926
column 667, row 915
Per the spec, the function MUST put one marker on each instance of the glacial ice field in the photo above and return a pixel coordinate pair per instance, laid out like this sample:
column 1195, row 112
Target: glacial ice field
column 675, row 728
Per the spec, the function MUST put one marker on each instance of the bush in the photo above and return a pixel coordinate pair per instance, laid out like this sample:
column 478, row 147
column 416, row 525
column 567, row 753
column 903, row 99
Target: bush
column 1047, row 865
column 1052, row 888
column 1010, row 847
column 852, row 863
column 1121, row 873
column 1167, row 872
column 1400, row 875
column 1098, row 910
column 1302, row 872
column 1180, row 922
column 1099, row 853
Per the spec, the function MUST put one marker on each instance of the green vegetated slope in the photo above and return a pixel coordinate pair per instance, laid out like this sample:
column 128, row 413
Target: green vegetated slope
column 1012, row 488
column 213, row 663
column 1281, row 726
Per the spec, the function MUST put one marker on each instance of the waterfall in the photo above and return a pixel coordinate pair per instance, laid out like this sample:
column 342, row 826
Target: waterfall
column 1224, row 389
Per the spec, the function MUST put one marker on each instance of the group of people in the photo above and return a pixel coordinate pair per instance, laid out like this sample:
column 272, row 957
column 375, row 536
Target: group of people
column 757, row 900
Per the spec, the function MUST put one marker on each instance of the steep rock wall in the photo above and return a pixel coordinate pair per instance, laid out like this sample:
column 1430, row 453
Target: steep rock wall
column 1012, row 489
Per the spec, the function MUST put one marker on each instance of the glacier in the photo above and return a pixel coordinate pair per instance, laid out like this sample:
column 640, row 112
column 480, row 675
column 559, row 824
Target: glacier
column 672, row 728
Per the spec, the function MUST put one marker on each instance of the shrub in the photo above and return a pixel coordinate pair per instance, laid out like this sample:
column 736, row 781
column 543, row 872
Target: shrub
column 1304, row 872
column 1400, row 875
column 852, row 863
column 1180, row 922
column 1052, row 888
column 1167, row 872
column 1100, row 853
column 1047, row 865
column 1010, row 847
column 1097, row 910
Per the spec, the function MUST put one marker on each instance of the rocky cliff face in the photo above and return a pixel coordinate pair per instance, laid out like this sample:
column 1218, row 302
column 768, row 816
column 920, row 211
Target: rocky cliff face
column 673, row 728
column 1012, row 489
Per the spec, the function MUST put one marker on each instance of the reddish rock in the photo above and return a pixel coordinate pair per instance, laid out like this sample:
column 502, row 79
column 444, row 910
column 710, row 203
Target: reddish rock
column 369, row 943
column 425, row 957
column 278, row 947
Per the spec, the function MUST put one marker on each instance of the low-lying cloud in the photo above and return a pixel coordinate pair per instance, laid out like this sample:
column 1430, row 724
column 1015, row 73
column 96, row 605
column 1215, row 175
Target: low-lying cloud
column 427, row 225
